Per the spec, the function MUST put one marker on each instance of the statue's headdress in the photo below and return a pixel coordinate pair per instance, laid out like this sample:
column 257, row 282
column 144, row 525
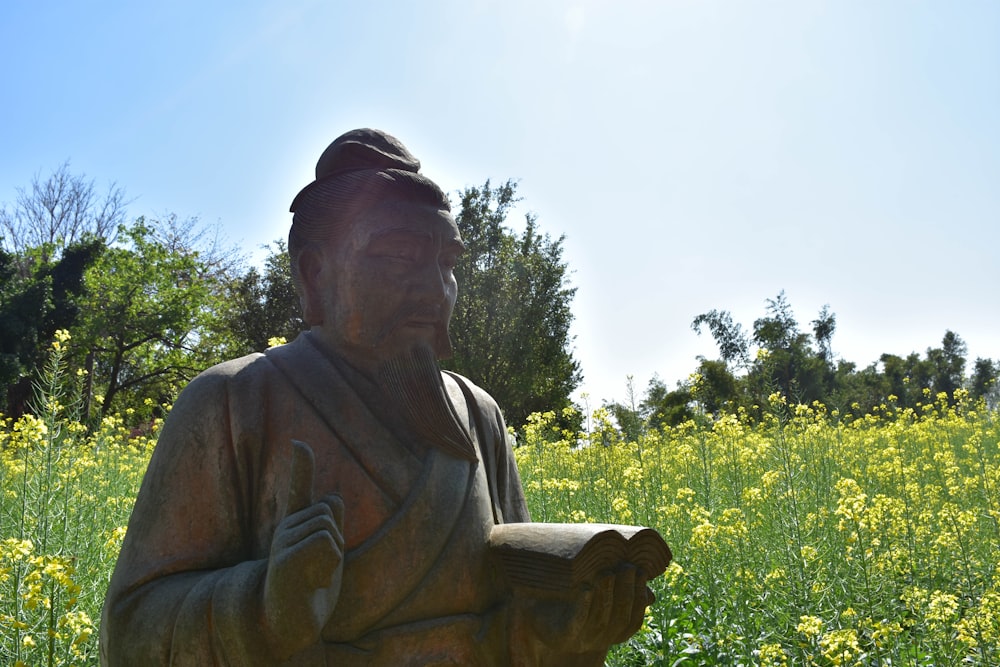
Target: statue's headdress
column 359, row 168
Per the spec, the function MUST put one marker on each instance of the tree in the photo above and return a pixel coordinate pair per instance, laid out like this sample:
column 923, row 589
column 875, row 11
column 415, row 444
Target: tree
column 662, row 407
column 263, row 305
column 37, row 297
column 856, row 391
column 802, row 367
column 51, row 234
column 786, row 360
column 823, row 327
column 948, row 363
column 734, row 347
column 631, row 420
column 659, row 408
column 511, row 324
column 146, row 320
column 716, row 388
column 60, row 211
column 985, row 382
column 778, row 330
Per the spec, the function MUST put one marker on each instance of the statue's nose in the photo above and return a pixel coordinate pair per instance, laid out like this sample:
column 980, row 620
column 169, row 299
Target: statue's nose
column 430, row 286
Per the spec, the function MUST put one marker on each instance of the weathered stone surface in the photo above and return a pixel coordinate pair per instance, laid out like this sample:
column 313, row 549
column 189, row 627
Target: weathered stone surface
column 330, row 502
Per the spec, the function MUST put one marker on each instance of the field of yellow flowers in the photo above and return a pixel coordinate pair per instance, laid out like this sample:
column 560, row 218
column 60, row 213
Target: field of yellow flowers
column 67, row 495
column 812, row 538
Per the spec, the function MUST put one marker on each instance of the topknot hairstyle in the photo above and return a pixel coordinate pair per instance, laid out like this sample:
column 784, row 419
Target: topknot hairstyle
column 359, row 169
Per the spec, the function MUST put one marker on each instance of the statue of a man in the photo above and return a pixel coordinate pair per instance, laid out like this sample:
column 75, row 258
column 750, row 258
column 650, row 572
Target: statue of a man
column 329, row 502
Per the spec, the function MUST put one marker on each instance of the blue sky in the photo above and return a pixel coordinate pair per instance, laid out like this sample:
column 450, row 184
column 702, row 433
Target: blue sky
column 696, row 154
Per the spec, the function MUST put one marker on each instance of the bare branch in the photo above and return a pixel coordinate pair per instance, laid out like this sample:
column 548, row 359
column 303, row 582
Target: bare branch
column 60, row 210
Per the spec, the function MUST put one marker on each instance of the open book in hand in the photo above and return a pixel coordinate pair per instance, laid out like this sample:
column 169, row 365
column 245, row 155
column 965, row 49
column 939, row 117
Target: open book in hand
column 561, row 556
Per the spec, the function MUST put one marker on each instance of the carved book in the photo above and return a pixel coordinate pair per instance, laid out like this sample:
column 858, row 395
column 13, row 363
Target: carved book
column 561, row 556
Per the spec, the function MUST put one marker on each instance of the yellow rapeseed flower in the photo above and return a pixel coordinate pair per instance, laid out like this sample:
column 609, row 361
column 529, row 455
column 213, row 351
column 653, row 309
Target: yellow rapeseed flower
column 772, row 655
column 810, row 626
column 840, row 647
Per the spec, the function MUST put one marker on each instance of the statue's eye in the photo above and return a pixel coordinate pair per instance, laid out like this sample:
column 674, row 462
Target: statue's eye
column 399, row 247
column 403, row 253
column 449, row 254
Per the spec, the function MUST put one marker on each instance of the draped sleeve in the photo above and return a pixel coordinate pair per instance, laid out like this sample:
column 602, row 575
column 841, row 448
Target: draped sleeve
column 187, row 587
column 497, row 450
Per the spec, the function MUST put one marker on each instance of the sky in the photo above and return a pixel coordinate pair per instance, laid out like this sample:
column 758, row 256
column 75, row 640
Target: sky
column 696, row 155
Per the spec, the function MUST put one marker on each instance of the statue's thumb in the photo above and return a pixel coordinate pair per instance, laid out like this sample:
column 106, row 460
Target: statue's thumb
column 300, row 481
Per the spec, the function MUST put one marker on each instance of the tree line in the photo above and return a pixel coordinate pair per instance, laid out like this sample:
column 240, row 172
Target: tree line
column 776, row 355
column 151, row 302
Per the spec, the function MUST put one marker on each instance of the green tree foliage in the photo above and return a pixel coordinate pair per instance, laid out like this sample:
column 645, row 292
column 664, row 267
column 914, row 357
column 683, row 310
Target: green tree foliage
column 777, row 330
column 785, row 362
column 511, row 323
column 789, row 363
column 49, row 236
column 909, row 379
column 715, row 388
column 37, row 296
column 948, row 363
column 734, row 346
column 631, row 420
column 151, row 304
column 263, row 305
column 142, row 301
column 146, row 323
column 985, row 382
column 802, row 367
column 663, row 407
column 712, row 390
column 823, row 327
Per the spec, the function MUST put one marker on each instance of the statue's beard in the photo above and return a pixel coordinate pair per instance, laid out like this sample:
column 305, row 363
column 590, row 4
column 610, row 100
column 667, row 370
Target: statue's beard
column 412, row 381
column 442, row 338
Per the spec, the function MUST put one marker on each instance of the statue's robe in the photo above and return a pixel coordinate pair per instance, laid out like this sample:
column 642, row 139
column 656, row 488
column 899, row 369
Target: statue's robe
column 418, row 585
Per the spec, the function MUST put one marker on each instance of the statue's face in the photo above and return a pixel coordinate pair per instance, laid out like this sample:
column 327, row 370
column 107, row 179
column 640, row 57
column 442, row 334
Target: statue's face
column 386, row 283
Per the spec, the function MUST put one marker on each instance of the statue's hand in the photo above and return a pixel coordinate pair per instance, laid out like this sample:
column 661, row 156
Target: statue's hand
column 579, row 629
column 305, row 564
column 612, row 609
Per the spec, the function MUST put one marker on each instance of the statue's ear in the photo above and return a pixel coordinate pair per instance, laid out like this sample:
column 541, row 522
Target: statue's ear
column 310, row 267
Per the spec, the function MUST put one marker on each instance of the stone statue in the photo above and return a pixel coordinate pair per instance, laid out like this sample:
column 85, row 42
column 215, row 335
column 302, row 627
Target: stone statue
column 330, row 502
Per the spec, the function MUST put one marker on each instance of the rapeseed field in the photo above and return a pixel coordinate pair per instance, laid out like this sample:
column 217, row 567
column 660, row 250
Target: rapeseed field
column 808, row 538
